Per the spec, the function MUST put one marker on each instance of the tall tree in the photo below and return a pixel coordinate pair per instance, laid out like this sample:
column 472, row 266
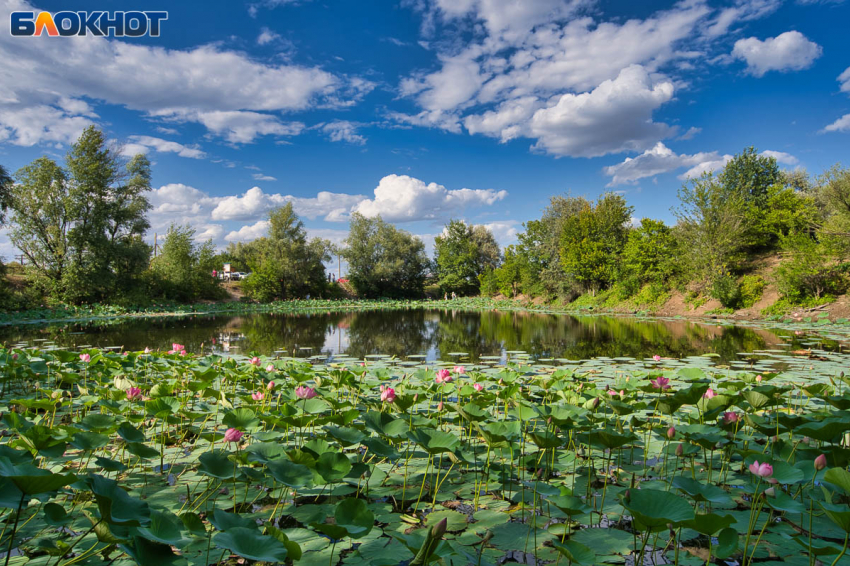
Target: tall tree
column 593, row 240
column 384, row 261
column 41, row 219
column 5, row 190
column 462, row 253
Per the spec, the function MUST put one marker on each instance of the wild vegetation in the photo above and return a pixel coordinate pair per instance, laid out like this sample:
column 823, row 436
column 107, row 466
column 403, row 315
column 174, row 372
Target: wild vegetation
column 80, row 226
column 181, row 458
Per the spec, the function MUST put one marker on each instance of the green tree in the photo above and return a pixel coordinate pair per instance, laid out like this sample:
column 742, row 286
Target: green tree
column 649, row 252
column 384, row 261
column 183, row 270
column 710, row 228
column 5, row 190
column 41, row 218
column 592, row 242
column 748, row 179
column 510, row 274
column 462, row 254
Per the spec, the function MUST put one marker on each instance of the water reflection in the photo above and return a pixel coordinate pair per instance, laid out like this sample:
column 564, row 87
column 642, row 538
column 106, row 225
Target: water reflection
column 435, row 333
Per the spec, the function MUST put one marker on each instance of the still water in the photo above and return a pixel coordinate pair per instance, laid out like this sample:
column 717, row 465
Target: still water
column 433, row 333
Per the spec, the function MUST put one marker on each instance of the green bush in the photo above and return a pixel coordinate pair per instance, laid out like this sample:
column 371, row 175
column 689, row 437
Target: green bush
column 262, row 285
column 725, row 289
column 751, row 289
column 808, row 273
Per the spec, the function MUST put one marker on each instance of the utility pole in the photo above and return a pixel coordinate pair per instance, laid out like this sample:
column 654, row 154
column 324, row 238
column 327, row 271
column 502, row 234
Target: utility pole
column 22, row 259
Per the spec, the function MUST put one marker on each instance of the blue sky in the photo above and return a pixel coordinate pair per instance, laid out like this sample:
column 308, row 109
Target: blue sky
column 425, row 110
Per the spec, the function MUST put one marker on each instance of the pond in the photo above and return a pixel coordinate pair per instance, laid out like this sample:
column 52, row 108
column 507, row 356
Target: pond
column 437, row 334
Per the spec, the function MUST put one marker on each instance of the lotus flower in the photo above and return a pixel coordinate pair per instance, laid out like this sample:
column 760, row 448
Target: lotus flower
column 440, row 406
column 730, row 417
column 460, row 370
column 820, row 462
column 671, row 432
column 764, row 470
column 134, row 393
column 258, row 395
column 255, row 361
column 758, row 378
column 177, row 347
column 85, row 358
column 388, row 395
column 661, row 382
column 14, row 356
column 233, row 435
column 443, row 376
column 183, row 352
column 270, row 367
column 270, row 386
column 477, row 386
column 147, row 350
column 656, row 357
column 304, row 392
column 709, row 394
column 680, row 449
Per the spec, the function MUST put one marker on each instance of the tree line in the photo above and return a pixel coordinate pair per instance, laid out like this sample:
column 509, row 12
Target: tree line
column 80, row 228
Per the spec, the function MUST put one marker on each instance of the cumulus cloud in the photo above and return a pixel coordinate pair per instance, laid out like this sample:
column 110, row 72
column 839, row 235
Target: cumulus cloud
column 706, row 167
column 401, row 198
column 188, row 83
column 267, row 36
column 614, row 117
column 840, row 125
column 781, row 157
column 237, row 127
column 144, row 144
column 255, row 203
column 28, row 126
column 790, row 51
column 505, row 231
column 248, row 232
column 660, row 159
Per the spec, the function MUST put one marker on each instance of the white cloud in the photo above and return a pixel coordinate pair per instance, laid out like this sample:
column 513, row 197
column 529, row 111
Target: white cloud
column 741, row 11
column 614, row 117
column 142, row 144
column 706, row 167
column 189, row 83
column 844, row 79
column 249, row 232
column 261, row 177
column 343, row 130
column 400, row 198
column 505, row 231
column 781, row 157
column 840, row 125
column 255, row 203
column 267, row 36
column 237, row 126
column 656, row 161
column 28, row 126
column 692, row 131
column 790, row 51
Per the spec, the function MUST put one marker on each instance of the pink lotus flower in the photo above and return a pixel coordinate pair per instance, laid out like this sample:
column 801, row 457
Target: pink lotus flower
column 478, row 387
column 183, row 352
column 709, row 394
column 730, row 417
column 758, row 378
column 440, row 406
column 255, row 361
column 656, row 357
column 233, row 435
column 270, row 386
column 270, row 367
column 177, row 347
column 443, row 376
column 761, row 470
column 14, row 356
column 258, row 395
column 460, row 370
column 85, row 358
column 126, row 354
column 147, row 350
column 388, row 395
column 661, row 382
column 134, row 393
column 304, row 392
column 820, row 462
column 671, row 432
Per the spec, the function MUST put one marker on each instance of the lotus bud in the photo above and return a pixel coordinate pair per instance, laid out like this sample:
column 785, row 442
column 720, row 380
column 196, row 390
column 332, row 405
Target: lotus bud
column 770, row 492
column 440, row 528
column 680, row 449
column 820, row 462
column 595, row 403
column 440, row 407
column 671, row 432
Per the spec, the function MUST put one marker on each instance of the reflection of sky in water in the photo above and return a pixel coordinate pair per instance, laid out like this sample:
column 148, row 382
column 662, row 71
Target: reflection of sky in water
column 435, row 333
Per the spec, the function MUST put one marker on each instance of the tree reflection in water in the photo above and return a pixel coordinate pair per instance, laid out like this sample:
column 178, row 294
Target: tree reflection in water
column 412, row 331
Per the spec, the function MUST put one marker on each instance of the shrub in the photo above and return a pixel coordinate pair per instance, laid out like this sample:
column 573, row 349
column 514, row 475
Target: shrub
column 751, row 289
column 725, row 289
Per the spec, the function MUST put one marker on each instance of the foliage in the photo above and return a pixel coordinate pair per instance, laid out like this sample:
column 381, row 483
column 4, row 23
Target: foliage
column 80, row 227
column 462, row 253
column 752, row 287
column 810, row 271
column 384, row 261
column 183, row 270
column 592, row 241
column 649, row 252
column 284, row 264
